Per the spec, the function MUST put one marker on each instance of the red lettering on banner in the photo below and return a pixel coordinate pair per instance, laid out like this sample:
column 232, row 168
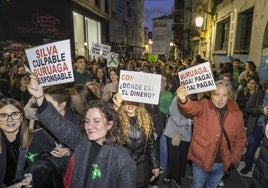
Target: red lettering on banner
column 47, row 51
column 51, row 69
column 193, row 72
column 127, row 77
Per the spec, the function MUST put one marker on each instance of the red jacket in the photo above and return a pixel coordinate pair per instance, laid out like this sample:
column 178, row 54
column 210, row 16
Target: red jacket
column 208, row 137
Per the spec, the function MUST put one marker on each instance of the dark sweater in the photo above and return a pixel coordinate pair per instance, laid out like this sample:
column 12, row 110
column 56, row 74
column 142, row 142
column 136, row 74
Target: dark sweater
column 115, row 163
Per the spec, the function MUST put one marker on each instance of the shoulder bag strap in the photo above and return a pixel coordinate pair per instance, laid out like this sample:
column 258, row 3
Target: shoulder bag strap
column 21, row 163
column 224, row 132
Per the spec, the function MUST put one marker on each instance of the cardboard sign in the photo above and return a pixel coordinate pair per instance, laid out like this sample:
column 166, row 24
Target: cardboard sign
column 198, row 78
column 140, row 87
column 99, row 49
column 112, row 60
column 51, row 63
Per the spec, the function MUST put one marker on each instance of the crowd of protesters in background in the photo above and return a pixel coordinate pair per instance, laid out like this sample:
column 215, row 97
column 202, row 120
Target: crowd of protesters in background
column 155, row 125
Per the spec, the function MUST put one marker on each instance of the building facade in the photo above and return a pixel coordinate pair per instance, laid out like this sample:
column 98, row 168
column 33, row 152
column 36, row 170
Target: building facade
column 117, row 23
column 163, row 36
column 31, row 23
column 90, row 24
column 127, row 28
column 134, row 28
column 182, row 27
column 234, row 29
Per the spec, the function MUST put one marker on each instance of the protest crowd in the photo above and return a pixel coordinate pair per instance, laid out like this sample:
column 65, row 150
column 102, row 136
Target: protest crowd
column 84, row 134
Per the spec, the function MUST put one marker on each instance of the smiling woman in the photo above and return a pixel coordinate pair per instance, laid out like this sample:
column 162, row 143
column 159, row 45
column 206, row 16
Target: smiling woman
column 14, row 133
column 99, row 159
column 13, row 116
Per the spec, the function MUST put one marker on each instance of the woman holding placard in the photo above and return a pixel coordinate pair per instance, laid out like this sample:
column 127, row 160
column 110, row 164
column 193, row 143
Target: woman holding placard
column 138, row 127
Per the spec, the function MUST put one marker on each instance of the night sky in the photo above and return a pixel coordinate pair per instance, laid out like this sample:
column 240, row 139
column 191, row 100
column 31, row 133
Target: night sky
column 156, row 8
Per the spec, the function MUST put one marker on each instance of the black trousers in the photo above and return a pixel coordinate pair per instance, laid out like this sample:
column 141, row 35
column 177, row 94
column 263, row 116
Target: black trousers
column 177, row 160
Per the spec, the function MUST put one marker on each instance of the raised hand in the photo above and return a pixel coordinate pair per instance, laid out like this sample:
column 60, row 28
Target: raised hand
column 117, row 99
column 182, row 93
column 35, row 89
column 60, row 152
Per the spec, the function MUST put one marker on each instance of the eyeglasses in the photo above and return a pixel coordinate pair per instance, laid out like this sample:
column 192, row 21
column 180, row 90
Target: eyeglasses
column 13, row 115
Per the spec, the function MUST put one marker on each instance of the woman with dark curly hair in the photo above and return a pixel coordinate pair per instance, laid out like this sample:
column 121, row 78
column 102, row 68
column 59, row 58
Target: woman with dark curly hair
column 99, row 158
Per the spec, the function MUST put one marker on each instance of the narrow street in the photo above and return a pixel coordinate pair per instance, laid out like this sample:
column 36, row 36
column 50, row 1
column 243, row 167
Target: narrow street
column 234, row 180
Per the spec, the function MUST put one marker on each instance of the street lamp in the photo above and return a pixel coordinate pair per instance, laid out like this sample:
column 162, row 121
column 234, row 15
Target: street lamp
column 86, row 49
column 150, row 45
column 172, row 51
column 199, row 23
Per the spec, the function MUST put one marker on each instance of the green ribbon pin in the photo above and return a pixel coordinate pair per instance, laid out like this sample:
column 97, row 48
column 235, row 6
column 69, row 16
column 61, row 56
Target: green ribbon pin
column 31, row 156
column 96, row 173
column 112, row 60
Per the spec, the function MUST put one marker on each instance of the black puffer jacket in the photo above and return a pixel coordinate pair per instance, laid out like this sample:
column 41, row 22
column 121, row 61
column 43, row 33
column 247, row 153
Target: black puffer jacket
column 260, row 174
column 141, row 147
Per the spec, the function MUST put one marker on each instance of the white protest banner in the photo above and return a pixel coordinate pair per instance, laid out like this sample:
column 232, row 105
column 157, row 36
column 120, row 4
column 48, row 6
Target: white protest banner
column 140, row 87
column 51, row 63
column 112, row 60
column 198, row 78
column 99, row 49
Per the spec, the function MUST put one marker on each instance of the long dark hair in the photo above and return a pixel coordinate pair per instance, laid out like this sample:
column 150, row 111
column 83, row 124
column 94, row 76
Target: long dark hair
column 115, row 135
column 97, row 79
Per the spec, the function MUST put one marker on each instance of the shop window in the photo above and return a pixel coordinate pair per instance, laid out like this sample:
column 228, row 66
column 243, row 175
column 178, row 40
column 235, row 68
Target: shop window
column 86, row 31
column 244, row 26
column 222, row 35
column 79, row 39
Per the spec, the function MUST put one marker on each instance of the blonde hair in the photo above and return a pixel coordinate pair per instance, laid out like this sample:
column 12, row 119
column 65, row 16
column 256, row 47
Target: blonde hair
column 144, row 120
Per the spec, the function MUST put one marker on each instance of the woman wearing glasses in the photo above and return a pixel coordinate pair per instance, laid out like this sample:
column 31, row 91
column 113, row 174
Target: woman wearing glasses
column 14, row 133
column 18, row 143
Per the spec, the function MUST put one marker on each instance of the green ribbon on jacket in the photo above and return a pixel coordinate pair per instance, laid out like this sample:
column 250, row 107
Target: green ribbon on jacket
column 31, row 156
column 96, row 173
